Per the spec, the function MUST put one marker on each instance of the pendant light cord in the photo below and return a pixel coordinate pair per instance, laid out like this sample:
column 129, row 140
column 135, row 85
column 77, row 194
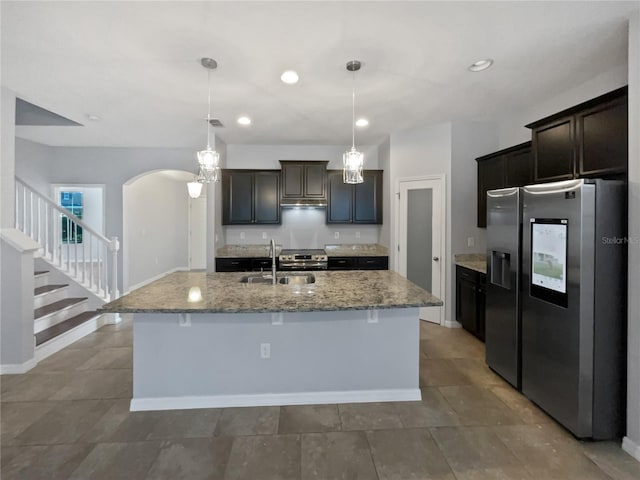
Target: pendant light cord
column 208, row 108
column 353, row 111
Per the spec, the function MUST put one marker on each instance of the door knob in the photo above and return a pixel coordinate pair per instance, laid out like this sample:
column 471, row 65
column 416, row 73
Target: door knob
column 435, row 259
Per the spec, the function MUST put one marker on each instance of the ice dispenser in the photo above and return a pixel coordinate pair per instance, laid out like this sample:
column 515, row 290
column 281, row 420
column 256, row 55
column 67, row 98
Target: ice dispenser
column 501, row 269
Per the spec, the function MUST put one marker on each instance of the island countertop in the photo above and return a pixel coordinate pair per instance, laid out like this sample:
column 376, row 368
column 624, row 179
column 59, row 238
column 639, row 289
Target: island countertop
column 200, row 292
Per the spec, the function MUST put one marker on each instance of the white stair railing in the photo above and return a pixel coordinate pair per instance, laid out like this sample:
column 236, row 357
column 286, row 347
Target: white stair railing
column 87, row 256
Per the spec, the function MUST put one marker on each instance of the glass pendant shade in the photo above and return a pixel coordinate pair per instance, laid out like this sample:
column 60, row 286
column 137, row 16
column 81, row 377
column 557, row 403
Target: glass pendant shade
column 353, row 161
column 208, row 159
column 195, row 188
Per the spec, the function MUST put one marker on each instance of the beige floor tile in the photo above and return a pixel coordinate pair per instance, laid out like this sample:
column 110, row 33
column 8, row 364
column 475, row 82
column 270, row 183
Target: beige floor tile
column 111, row 461
column 437, row 372
column 477, row 371
column 248, row 421
column 432, row 411
column 368, row 416
column 66, row 422
column 105, row 428
column 407, row 453
column 109, row 358
column 126, row 426
column 65, row 360
column 273, row 457
column 470, row 449
column 612, row 460
column 522, row 406
column 192, row 459
column 96, row 384
column 35, row 387
column 478, row 406
column 336, row 456
column 54, row 462
column 15, row 417
column 309, row 418
column 193, row 423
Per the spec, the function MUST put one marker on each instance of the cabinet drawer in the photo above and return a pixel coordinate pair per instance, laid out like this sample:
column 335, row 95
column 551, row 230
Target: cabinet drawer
column 233, row 264
column 373, row 263
column 341, row 263
column 468, row 274
column 262, row 263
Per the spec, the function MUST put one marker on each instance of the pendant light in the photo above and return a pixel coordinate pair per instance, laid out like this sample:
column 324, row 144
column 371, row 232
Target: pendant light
column 208, row 159
column 352, row 159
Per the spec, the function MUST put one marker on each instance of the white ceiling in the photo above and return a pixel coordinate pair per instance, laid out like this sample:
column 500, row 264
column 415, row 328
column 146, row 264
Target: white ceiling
column 136, row 65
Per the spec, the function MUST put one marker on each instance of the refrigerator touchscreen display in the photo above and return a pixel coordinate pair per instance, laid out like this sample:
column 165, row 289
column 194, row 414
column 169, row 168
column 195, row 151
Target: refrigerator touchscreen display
column 549, row 260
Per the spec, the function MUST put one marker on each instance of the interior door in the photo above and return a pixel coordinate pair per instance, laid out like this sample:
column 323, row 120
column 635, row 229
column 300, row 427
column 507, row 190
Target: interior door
column 420, row 243
column 198, row 233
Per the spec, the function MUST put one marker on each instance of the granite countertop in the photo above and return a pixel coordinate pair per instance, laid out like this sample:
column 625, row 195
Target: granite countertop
column 223, row 293
column 241, row 251
column 356, row 250
column 472, row 261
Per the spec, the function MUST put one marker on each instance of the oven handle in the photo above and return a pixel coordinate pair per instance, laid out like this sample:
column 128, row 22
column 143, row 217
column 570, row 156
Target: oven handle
column 303, row 266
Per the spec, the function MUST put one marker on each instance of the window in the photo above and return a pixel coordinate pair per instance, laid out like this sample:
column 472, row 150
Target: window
column 71, row 232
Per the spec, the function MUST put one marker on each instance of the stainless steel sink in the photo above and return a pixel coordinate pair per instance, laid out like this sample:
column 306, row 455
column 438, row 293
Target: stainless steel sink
column 256, row 279
column 286, row 279
column 296, row 278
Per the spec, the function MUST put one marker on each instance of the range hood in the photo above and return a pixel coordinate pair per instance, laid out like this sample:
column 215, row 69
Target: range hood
column 303, row 202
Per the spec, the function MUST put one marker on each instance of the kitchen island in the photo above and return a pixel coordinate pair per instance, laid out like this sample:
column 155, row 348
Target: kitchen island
column 214, row 340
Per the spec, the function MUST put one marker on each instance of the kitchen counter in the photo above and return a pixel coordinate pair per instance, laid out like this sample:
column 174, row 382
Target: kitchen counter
column 224, row 293
column 209, row 341
column 472, row 261
column 356, row 250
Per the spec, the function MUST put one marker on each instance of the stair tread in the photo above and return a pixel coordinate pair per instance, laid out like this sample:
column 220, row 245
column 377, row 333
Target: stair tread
column 48, row 288
column 62, row 327
column 55, row 306
column 40, row 272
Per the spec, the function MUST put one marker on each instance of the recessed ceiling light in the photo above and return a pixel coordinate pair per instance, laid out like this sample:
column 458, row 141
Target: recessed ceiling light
column 244, row 121
column 289, row 77
column 481, row 65
column 362, row 122
column 93, row 118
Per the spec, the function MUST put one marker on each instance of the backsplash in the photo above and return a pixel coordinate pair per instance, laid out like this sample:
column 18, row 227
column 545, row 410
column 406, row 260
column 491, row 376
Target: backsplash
column 301, row 228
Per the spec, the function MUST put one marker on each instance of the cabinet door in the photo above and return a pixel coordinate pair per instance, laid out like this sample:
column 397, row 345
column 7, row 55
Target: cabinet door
column 339, row 198
column 266, row 197
column 603, row 139
column 466, row 304
column 554, row 151
column 292, row 181
column 237, row 197
column 314, row 181
column 373, row 263
column 233, row 264
column 367, row 199
column 481, row 303
column 491, row 173
column 341, row 263
column 519, row 168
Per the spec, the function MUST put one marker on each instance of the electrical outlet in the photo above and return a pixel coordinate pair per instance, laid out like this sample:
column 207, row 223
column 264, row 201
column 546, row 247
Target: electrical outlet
column 357, row 234
column 265, row 350
column 216, row 238
column 241, row 235
column 471, row 241
column 264, row 235
column 336, row 235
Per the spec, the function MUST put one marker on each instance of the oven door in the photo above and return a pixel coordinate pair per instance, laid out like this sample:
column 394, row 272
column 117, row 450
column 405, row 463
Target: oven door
column 300, row 266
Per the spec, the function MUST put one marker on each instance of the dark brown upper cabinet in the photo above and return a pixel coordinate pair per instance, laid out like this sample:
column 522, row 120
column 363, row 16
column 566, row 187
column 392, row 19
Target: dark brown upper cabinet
column 304, row 182
column 250, row 197
column 511, row 167
column 588, row 140
column 360, row 203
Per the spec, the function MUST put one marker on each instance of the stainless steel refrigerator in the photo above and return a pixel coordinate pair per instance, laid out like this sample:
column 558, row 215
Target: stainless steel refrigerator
column 503, row 324
column 556, row 299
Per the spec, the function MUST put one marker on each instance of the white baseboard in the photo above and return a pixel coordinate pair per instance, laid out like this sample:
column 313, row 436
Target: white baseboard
column 17, row 368
column 154, row 278
column 631, row 447
column 274, row 399
column 451, row 324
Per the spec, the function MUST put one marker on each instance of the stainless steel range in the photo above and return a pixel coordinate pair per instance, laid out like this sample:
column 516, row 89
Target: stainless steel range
column 290, row 259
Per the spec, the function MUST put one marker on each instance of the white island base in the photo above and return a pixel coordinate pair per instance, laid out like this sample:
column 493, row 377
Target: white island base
column 208, row 360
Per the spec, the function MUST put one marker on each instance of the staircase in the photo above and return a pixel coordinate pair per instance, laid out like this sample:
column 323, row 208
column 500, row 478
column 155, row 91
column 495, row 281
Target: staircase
column 59, row 319
column 73, row 277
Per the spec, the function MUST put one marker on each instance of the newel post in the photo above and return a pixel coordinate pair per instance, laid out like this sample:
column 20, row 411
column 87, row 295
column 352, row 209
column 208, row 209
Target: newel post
column 114, row 246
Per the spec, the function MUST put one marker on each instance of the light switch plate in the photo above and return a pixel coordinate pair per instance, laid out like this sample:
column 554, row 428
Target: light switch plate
column 336, row 235
column 241, row 235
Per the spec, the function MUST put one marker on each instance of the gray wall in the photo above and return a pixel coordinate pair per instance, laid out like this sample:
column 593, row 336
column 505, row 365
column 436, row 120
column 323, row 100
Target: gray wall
column 384, row 158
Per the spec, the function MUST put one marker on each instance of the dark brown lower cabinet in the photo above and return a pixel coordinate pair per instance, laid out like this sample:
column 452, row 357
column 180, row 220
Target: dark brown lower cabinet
column 242, row 264
column 358, row 263
column 470, row 300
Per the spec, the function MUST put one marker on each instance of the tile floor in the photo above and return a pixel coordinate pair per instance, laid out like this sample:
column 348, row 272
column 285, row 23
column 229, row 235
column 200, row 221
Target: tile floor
column 69, row 418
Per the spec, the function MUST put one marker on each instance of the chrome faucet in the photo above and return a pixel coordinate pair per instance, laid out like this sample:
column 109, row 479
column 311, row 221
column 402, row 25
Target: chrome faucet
column 272, row 252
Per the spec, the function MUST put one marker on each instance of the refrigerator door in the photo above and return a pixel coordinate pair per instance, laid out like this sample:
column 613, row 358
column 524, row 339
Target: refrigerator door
column 502, row 330
column 558, row 236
